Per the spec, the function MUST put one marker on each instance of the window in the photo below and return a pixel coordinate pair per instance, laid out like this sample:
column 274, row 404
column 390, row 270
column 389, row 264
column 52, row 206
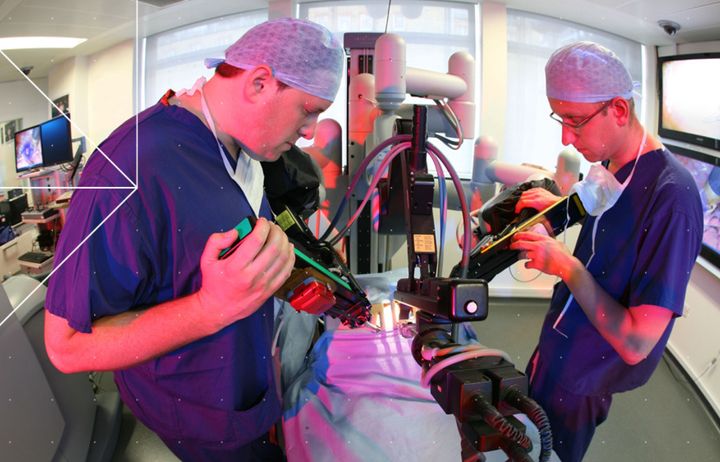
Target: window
column 174, row 59
column 531, row 136
column 433, row 31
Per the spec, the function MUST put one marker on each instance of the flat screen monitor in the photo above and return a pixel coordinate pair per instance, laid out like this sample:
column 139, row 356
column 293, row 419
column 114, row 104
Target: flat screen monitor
column 28, row 149
column 690, row 98
column 56, row 141
column 705, row 170
column 13, row 208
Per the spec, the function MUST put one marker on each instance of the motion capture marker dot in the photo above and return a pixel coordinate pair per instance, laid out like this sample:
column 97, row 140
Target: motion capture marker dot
column 179, row 399
column 561, row 357
column 222, row 357
column 645, row 442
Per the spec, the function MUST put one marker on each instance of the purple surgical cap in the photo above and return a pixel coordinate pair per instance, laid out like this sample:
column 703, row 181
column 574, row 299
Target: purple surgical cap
column 301, row 54
column 585, row 72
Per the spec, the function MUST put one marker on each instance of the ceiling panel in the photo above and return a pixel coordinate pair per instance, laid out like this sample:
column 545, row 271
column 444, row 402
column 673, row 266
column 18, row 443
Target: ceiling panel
column 661, row 7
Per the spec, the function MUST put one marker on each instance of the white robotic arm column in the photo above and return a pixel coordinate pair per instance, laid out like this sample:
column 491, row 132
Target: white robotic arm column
column 394, row 80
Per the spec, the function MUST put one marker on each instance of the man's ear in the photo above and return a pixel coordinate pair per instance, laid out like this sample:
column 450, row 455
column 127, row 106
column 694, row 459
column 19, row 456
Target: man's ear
column 259, row 82
column 621, row 110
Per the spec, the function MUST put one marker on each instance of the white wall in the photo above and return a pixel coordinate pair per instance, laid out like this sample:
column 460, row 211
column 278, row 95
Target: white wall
column 110, row 89
column 19, row 100
column 100, row 88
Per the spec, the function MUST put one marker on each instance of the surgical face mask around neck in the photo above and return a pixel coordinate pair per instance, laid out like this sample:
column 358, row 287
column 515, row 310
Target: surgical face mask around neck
column 599, row 191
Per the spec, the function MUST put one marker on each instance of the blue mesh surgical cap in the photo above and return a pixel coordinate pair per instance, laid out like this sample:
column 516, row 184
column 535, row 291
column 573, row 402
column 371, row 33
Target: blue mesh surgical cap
column 585, row 72
column 301, row 54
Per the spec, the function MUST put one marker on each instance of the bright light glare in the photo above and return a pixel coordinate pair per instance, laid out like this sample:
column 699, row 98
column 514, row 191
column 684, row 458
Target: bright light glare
column 25, row 43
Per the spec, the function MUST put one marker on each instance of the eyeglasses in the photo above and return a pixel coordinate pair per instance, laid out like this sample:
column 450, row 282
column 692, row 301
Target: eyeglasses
column 578, row 125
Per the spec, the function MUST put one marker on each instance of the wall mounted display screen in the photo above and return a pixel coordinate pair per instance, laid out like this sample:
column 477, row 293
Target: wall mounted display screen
column 28, row 149
column 705, row 169
column 690, row 98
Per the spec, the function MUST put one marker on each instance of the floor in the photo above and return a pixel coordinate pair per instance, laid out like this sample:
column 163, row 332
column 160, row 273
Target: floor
column 664, row 421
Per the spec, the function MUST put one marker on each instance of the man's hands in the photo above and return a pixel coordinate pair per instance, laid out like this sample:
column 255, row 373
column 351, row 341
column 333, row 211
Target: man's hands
column 234, row 288
column 536, row 198
column 545, row 254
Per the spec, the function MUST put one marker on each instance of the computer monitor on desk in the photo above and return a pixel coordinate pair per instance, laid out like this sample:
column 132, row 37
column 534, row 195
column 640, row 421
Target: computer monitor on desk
column 43, row 146
column 13, row 208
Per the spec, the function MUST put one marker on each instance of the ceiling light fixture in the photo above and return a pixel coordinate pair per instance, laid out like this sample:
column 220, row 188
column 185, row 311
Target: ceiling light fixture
column 29, row 43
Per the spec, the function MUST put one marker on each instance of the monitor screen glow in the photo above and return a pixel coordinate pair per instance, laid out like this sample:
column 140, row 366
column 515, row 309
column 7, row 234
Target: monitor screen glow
column 28, row 149
column 705, row 170
column 690, row 99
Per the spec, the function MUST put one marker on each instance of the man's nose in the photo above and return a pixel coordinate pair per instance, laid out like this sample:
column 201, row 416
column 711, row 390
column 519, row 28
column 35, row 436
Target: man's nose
column 568, row 135
column 307, row 131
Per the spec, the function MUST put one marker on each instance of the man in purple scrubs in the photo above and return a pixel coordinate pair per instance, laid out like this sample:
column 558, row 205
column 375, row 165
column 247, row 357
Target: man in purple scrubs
column 624, row 285
column 140, row 289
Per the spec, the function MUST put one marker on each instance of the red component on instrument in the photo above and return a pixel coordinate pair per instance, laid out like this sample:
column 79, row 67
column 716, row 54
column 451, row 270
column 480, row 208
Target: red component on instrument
column 312, row 297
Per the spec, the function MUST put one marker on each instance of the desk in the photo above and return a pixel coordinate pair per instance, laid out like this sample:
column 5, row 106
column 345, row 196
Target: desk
column 41, row 221
column 10, row 251
column 33, row 268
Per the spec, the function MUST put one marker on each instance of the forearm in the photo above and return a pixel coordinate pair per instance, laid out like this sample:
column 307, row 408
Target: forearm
column 613, row 320
column 128, row 339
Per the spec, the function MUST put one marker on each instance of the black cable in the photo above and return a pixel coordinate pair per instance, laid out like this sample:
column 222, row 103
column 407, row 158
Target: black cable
column 537, row 415
column 515, row 452
column 387, row 18
column 492, row 417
